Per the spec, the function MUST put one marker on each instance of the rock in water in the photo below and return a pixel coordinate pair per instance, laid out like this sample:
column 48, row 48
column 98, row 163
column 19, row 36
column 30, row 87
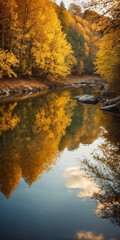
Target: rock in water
column 87, row 99
column 114, row 108
column 105, row 93
column 102, row 86
column 111, row 101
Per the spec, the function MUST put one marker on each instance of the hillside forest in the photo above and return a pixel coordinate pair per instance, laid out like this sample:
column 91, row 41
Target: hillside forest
column 41, row 39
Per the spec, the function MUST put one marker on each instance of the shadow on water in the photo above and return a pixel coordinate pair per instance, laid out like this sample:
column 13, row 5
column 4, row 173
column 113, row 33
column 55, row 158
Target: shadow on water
column 34, row 133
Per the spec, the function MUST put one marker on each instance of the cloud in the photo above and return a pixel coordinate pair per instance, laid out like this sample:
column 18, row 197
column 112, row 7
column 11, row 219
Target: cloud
column 78, row 179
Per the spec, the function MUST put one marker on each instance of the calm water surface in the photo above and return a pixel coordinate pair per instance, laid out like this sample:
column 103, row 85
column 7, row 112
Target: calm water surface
column 59, row 169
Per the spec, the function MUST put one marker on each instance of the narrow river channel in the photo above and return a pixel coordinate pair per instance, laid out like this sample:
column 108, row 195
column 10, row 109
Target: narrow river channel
column 59, row 169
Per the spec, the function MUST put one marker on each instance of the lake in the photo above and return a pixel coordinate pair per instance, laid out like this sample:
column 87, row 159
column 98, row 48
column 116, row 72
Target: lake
column 59, row 169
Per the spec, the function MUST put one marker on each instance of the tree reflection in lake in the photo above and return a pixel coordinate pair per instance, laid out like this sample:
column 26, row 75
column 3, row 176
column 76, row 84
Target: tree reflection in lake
column 7, row 120
column 32, row 145
column 98, row 175
column 109, row 202
column 35, row 131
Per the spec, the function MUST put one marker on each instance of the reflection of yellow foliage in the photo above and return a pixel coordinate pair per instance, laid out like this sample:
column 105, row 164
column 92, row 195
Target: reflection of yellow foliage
column 12, row 171
column 34, row 143
column 7, row 121
column 110, row 124
column 86, row 133
column 53, row 115
column 49, row 126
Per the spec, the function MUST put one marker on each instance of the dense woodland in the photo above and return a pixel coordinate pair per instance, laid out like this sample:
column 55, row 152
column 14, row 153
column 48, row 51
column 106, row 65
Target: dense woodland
column 44, row 40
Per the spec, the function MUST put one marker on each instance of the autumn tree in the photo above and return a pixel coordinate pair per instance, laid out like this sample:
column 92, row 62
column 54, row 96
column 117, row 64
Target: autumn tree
column 31, row 31
column 106, row 22
column 51, row 47
column 8, row 38
column 8, row 61
column 108, row 8
column 77, row 41
column 62, row 17
column 75, row 9
column 108, row 58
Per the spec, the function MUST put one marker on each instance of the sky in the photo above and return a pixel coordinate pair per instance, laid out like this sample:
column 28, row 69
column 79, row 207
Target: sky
column 67, row 2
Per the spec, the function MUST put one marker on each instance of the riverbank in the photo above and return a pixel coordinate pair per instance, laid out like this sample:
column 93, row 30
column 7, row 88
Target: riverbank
column 30, row 86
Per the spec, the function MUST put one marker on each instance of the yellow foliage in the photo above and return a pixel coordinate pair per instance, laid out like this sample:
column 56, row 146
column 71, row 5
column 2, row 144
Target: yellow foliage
column 108, row 57
column 68, row 17
column 7, row 61
column 51, row 47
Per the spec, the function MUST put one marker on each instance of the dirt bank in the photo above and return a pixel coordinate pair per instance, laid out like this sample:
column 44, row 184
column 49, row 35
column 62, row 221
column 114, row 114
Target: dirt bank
column 30, row 86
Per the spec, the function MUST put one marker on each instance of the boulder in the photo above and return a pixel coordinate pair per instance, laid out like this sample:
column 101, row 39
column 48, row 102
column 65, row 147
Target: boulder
column 102, row 86
column 114, row 108
column 111, row 101
column 105, row 93
column 87, row 99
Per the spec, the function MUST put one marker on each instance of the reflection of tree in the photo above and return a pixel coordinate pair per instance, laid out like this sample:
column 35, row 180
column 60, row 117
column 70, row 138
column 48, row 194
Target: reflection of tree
column 112, row 125
column 7, row 120
column 99, row 173
column 105, row 167
column 32, row 147
column 10, row 175
column 109, row 206
column 82, row 129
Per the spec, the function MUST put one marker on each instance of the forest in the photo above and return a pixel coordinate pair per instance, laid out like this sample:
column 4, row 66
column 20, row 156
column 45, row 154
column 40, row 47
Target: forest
column 41, row 39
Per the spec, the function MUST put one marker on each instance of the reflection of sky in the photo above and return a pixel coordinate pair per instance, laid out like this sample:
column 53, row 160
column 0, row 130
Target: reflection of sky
column 48, row 211
column 84, row 177
column 78, row 179
column 87, row 235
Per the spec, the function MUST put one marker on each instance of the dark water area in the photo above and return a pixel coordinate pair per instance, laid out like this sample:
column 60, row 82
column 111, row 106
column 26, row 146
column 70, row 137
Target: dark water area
column 59, row 169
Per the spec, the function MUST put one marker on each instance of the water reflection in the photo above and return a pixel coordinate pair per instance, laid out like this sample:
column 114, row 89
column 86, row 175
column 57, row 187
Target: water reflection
column 88, row 235
column 83, row 128
column 78, row 179
column 32, row 147
column 33, row 133
column 98, row 177
column 7, row 119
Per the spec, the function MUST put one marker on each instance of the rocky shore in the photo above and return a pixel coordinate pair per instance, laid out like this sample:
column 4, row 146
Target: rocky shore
column 30, row 87
column 11, row 87
column 111, row 105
